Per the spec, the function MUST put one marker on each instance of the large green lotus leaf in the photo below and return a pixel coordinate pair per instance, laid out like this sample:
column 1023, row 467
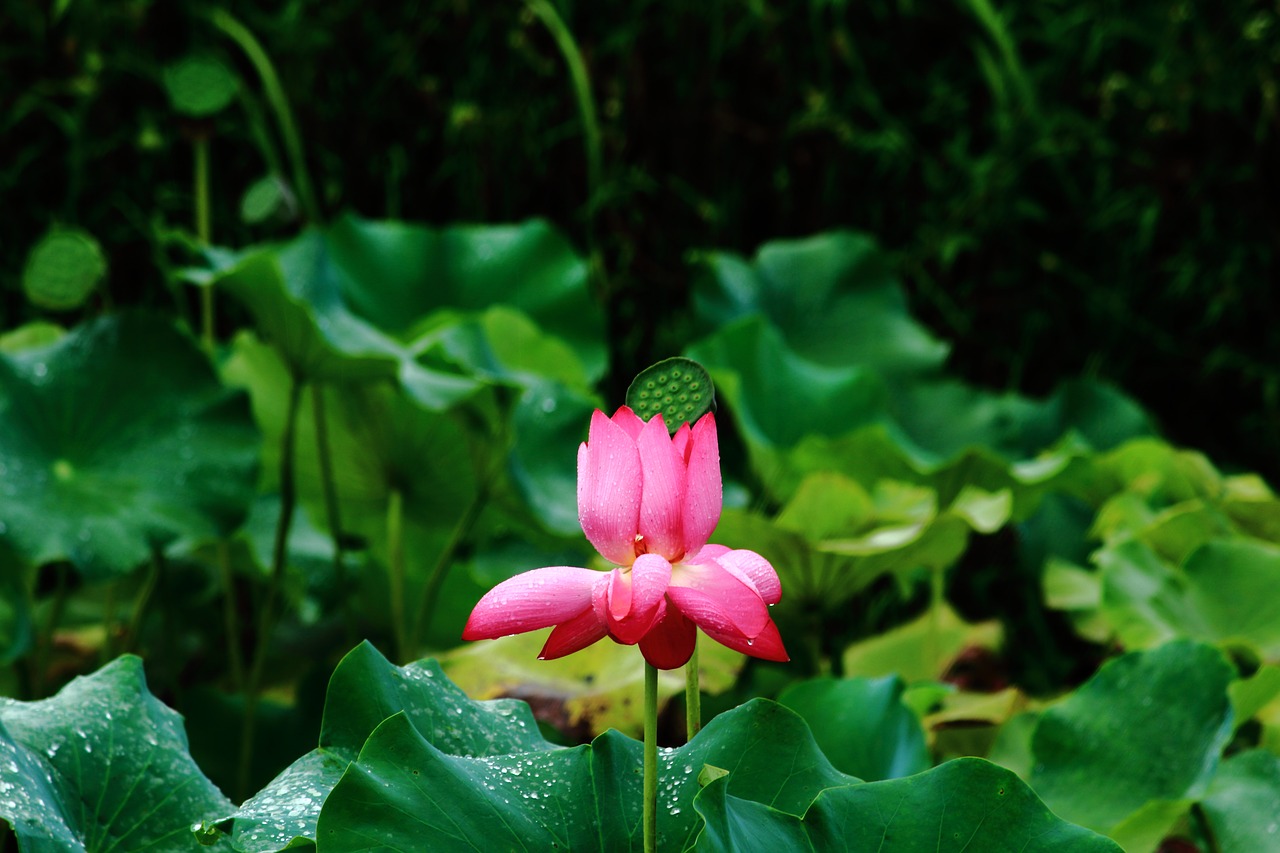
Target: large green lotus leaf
column 36, row 334
column 548, row 423
column 592, row 690
column 1242, row 805
column 294, row 293
column 364, row 690
column 1179, row 530
column 395, row 273
column 378, row 438
column 1143, row 597
column 1161, row 474
column 1232, row 586
column 405, row 793
column 947, row 418
column 1223, row 593
column 777, row 396
column 833, row 539
column 932, row 542
column 878, row 452
column 1149, row 726
column 503, row 344
column 115, row 439
column 965, row 804
column 1251, row 695
column 1252, row 506
column 102, row 766
column 862, row 725
column 922, row 649
column 831, row 296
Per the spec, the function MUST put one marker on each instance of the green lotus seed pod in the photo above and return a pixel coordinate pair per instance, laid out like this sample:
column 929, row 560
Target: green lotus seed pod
column 678, row 388
column 199, row 85
column 63, row 269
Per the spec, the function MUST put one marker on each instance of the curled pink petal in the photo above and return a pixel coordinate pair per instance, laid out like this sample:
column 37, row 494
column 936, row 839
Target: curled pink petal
column 533, row 600
column 662, row 502
column 646, row 589
column 680, row 441
column 767, row 645
column 756, row 570
column 609, row 488
column 669, row 643
column 703, row 491
column 708, row 553
column 574, row 635
column 716, row 599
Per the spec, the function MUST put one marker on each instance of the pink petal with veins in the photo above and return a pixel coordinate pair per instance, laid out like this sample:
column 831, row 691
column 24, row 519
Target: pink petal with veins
column 662, row 504
column 680, row 441
column 609, row 489
column 708, row 553
column 532, row 600
column 630, row 422
column 669, row 643
column 767, row 645
column 703, row 492
column 751, row 567
column 574, row 635
column 717, row 600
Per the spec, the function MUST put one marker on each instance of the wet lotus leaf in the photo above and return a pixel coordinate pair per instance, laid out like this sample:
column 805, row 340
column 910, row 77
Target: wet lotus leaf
column 1149, row 727
column 102, row 766
column 406, row 793
column 115, row 439
column 966, row 804
column 861, row 725
column 1242, row 804
column 364, row 690
column 590, row 691
column 921, row 649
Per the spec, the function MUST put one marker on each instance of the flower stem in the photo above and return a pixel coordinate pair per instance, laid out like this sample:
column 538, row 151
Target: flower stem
column 230, row 618
column 43, row 655
column 267, row 613
column 692, row 694
column 937, row 598
column 650, row 758
column 426, row 612
column 550, row 18
column 332, row 511
column 143, row 598
column 204, row 231
column 252, row 48
column 395, row 565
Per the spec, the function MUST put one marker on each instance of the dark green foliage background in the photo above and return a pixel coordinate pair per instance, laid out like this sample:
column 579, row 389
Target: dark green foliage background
column 1066, row 188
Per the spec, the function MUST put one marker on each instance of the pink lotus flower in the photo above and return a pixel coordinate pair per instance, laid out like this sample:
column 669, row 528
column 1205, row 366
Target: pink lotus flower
column 648, row 501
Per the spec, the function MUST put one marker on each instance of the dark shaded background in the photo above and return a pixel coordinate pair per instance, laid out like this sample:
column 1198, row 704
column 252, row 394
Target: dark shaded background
column 1066, row 188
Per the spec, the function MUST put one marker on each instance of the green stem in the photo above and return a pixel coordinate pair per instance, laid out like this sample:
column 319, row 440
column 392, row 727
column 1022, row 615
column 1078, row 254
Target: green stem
column 204, row 232
column 267, row 614
column 142, row 599
column 230, row 619
column 564, row 40
column 937, row 598
column 650, row 758
column 692, row 694
column 332, row 508
column 431, row 591
column 395, row 561
column 108, row 625
column 252, row 48
column 45, row 647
